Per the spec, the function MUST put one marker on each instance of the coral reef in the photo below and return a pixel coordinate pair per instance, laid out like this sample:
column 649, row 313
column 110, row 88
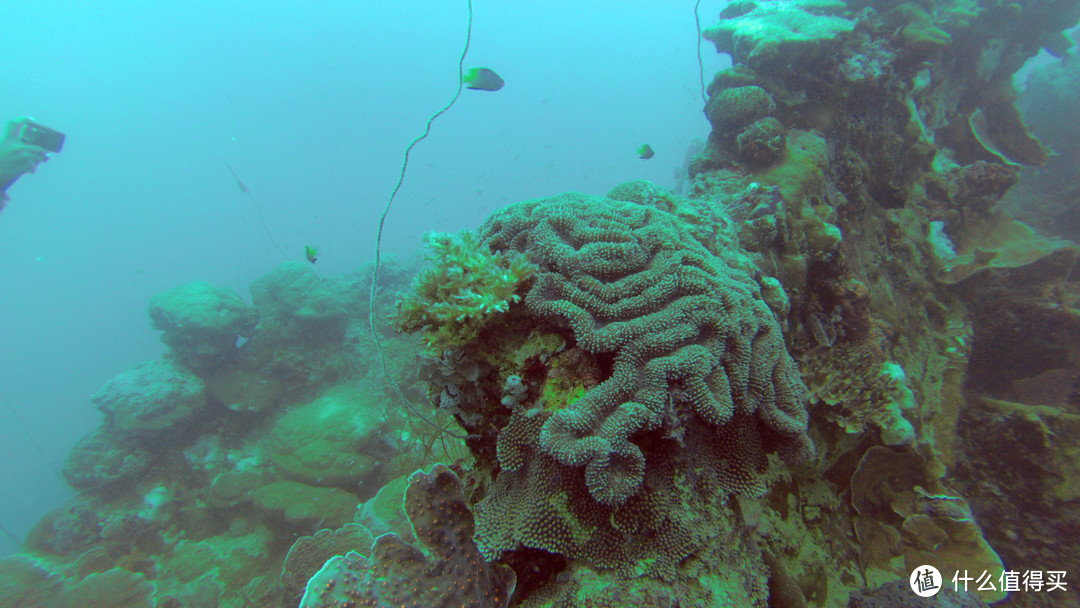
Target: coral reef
column 684, row 330
column 449, row 571
column 463, row 289
column 203, row 474
column 909, row 291
column 151, row 398
column 202, row 323
column 844, row 354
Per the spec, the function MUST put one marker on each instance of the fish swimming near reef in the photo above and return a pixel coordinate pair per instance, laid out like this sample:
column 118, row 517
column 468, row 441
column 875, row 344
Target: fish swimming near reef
column 645, row 152
column 311, row 253
column 482, row 79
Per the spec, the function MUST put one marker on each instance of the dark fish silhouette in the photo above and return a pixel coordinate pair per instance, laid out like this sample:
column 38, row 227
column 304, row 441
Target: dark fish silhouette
column 645, row 152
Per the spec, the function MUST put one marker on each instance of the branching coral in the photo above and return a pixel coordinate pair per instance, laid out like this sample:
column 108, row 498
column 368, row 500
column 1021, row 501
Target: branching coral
column 465, row 286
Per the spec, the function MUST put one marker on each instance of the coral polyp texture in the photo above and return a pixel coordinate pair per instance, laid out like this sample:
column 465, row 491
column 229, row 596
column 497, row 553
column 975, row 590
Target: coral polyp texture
column 641, row 382
column 445, row 571
column 682, row 326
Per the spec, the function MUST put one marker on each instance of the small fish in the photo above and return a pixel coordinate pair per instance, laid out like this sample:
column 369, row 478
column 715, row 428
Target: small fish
column 243, row 188
column 482, row 79
column 311, row 253
column 645, row 152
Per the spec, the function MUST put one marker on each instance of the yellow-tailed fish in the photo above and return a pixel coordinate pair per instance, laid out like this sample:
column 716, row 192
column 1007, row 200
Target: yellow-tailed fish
column 311, row 253
column 645, row 152
column 482, row 79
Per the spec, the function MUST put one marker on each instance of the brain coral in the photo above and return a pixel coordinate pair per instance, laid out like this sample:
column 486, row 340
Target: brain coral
column 732, row 109
column 684, row 328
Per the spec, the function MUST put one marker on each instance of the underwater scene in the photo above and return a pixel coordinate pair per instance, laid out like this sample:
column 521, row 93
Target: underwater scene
column 475, row 304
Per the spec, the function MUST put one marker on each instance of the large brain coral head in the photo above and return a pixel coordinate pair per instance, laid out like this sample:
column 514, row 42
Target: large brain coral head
column 683, row 326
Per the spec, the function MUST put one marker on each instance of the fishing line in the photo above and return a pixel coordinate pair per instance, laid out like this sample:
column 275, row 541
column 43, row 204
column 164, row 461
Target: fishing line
column 26, row 430
column 700, row 67
column 378, row 242
column 258, row 173
column 11, row 535
column 330, row 175
column 245, row 190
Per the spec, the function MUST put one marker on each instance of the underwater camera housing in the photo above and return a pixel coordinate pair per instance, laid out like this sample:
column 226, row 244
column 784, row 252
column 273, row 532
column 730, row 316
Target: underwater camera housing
column 39, row 135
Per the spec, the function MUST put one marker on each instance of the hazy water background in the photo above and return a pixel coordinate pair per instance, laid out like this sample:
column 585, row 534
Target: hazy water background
column 313, row 105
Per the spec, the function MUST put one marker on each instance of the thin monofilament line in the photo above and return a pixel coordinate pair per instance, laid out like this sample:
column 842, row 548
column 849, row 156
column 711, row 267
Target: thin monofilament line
column 378, row 239
column 26, row 430
column 700, row 66
column 262, row 221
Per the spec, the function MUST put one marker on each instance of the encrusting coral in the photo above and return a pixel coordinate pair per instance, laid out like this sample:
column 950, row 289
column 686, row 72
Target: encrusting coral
column 310, row 553
column 448, row 572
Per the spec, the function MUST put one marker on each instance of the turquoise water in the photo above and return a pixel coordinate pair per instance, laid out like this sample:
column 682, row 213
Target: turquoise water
column 816, row 342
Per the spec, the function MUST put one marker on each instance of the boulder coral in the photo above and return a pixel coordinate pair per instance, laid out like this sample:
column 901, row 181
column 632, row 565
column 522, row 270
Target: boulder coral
column 101, row 459
column 294, row 293
column 333, row 440
column 154, row 397
column 202, row 323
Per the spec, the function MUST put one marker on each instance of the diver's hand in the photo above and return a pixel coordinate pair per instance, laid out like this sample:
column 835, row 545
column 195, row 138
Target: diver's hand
column 17, row 157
